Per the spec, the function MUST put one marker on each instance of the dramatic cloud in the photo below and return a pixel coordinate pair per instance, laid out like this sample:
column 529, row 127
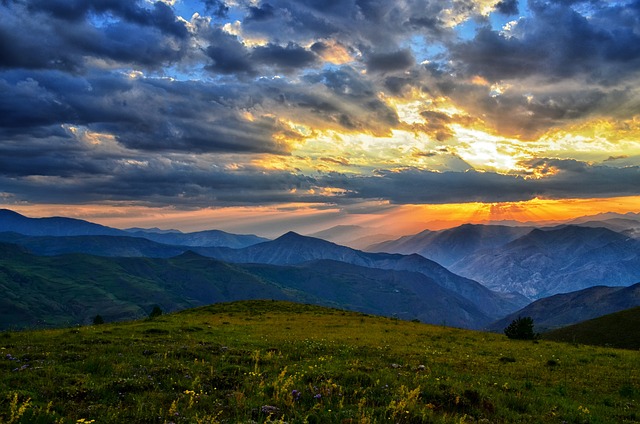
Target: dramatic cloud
column 508, row 7
column 74, row 35
column 206, row 103
column 386, row 62
column 566, row 179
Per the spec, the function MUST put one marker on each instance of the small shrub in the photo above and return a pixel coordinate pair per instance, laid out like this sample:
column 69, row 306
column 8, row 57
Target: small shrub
column 97, row 320
column 155, row 312
column 520, row 328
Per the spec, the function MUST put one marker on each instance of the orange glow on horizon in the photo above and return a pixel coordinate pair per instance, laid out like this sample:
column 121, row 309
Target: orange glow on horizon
column 395, row 220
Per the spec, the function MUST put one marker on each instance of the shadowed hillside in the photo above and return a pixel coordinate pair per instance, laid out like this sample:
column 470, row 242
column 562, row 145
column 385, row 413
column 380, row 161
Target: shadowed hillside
column 564, row 309
column 618, row 330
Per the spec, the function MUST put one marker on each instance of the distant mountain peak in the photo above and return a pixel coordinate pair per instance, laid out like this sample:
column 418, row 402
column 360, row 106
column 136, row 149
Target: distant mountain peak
column 190, row 254
column 293, row 236
column 9, row 212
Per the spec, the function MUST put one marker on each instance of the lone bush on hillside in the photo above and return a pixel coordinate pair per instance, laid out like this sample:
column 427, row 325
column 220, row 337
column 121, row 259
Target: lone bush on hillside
column 156, row 312
column 97, row 320
column 520, row 328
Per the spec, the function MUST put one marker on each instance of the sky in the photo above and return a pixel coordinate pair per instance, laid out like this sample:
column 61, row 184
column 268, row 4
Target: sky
column 264, row 116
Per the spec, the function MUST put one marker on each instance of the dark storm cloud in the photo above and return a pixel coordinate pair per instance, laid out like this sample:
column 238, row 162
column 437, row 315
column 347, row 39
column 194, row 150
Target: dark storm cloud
column 287, row 58
column 369, row 26
column 148, row 114
column 556, row 42
column 59, row 35
column 566, row 179
column 166, row 115
column 508, row 7
column 389, row 62
column 261, row 13
column 185, row 183
column 54, row 155
column 160, row 15
column 156, row 181
column 228, row 55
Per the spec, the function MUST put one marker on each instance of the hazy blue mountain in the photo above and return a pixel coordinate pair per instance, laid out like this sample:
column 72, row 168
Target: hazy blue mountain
column 57, row 226
column 353, row 236
column 619, row 225
column 93, row 245
column 208, row 238
column 54, row 226
column 294, row 249
column 451, row 245
column 546, row 262
column 150, row 230
column 565, row 309
column 604, row 217
column 70, row 289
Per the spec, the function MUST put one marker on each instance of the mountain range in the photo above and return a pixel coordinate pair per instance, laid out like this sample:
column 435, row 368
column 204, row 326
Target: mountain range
column 545, row 262
column 451, row 245
column 535, row 262
column 439, row 288
column 490, row 269
column 293, row 249
column 72, row 289
column 11, row 221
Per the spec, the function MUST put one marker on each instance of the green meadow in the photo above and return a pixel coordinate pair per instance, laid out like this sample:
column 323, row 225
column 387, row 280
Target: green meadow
column 268, row 361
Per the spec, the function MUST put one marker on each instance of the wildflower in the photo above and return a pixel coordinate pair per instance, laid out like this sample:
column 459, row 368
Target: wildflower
column 583, row 410
column 295, row 394
column 269, row 410
column 317, row 396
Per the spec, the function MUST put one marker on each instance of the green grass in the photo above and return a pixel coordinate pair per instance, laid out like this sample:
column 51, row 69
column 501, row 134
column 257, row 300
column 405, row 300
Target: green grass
column 266, row 361
column 618, row 330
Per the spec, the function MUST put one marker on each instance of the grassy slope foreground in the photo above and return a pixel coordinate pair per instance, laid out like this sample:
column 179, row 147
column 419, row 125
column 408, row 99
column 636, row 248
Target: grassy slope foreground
column 267, row 361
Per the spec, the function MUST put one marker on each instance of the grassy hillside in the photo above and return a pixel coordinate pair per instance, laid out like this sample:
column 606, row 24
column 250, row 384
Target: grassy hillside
column 561, row 310
column 619, row 330
column 268, row 361
column 43, row 291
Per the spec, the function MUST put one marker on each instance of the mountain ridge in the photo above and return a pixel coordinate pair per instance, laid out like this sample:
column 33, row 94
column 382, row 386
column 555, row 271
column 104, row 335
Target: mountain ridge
column 565, row 309
column 292, row 249
column 72, row 288
column 545, row 262
column 11, row 221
